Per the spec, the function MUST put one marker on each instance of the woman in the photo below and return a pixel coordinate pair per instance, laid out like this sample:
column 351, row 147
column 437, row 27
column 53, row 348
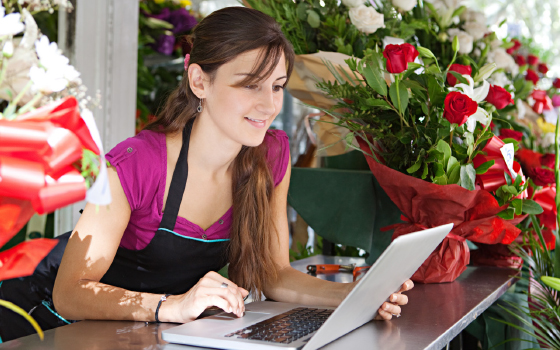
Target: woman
column 152, row 254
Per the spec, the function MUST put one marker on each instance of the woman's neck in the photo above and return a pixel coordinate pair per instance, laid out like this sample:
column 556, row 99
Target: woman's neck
column 210, row 150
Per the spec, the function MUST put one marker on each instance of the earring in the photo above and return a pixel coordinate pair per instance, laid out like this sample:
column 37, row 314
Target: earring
column 199, row 108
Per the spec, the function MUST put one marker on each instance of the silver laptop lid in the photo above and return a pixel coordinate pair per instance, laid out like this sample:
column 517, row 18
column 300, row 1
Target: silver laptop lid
column 397, row 264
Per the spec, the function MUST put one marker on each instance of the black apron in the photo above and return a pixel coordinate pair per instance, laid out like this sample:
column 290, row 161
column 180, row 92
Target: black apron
column 169, row 264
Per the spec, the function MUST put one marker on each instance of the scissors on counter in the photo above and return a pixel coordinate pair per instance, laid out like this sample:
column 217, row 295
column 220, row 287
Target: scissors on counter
column 330, row 268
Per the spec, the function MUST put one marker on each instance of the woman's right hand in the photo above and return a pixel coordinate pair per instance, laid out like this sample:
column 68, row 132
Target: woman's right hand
column 206, row 293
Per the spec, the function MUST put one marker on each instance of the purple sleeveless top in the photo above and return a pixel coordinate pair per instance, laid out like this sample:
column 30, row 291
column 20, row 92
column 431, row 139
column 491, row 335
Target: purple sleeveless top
column 141, row 163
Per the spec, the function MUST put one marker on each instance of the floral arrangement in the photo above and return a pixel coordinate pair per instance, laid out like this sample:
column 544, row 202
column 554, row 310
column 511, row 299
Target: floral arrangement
column 50, row 150
column 433, row 124
column 162, row 25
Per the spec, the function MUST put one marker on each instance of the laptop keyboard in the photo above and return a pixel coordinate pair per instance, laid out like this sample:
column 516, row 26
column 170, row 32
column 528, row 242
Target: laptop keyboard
column 287, row 327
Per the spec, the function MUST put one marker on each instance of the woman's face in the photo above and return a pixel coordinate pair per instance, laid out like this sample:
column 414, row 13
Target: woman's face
column 245, row 113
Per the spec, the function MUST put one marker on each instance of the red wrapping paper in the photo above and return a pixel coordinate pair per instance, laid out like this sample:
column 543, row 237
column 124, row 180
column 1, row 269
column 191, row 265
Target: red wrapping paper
column 425, row 205
column 22, row 259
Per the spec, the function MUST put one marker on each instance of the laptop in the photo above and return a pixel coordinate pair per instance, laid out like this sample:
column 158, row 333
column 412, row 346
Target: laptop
column 278, row 325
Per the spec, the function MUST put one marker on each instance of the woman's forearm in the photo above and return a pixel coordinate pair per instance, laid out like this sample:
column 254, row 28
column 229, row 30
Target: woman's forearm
column 98, row 301
column 294, row 286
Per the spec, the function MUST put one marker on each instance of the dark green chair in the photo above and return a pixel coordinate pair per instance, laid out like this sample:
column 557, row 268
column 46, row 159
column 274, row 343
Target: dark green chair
column 347, row 207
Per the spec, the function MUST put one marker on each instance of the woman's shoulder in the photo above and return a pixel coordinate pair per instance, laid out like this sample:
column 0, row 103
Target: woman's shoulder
column 139, row 161
column 278, row 153
column 145, row 146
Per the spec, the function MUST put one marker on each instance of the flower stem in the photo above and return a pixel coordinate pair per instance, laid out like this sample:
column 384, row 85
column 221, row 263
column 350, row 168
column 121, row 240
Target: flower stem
column 451, row 138
column 31, row 103
column 11, row 109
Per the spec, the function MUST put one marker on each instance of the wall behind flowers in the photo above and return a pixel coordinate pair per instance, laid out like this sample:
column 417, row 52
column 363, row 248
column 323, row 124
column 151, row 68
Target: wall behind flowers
column 536, row 19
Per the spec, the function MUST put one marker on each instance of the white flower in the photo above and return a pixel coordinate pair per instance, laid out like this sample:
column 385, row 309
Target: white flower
column 521, row 109
column 46, row 81
column 366, row 19
column 478, row 95
column 49, row 54
column 465, row 40
column 503, row 60
column 499, row 79
column 353, row 3
column 475, row 29
column 10, row 24
column 473, row 16
column 405, row 5
column 548, row 140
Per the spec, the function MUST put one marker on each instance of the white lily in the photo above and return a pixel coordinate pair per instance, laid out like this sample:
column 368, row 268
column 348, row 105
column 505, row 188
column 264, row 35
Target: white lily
column 10, row 24
column 478, row 95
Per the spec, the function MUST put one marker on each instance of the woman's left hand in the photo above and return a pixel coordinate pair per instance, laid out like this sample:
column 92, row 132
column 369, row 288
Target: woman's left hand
column 392, row 307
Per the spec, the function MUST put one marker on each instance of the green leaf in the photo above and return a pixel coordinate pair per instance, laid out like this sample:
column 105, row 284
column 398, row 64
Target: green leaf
column 435, row 91
column 531, row 207
column 552, row 282
column 459, row 77
column 374, row 78
column 374, row 102
column 455, row 174
column 467, row 176
column 508, row 178
column 459, row 11
column 441, row 180
column 452, row 162
column 425, row 171
column 507, row 214
column 483, row 168
column 414, row 167
column 444, row 148
column 313, row 19
column 411, row 84
column 402, row 96
column 301, row 11
column 438, row 170
column 517, row 205
column 433, row 70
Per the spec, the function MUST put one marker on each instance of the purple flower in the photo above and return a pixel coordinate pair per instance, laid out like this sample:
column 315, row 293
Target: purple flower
column 182, row 21
column 165, row 44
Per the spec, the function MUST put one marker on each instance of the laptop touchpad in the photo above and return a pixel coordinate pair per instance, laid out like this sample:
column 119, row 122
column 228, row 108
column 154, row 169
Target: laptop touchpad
column 249, row 316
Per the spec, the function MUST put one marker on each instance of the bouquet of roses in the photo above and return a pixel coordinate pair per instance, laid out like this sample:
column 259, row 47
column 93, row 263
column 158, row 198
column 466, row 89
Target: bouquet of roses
column 428, row 143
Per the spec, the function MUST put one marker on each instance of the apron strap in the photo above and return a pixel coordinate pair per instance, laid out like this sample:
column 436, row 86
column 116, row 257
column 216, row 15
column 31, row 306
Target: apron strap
column 178, row 182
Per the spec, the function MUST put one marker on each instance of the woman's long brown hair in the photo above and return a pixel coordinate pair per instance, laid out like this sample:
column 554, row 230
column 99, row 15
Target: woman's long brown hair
column 218, row 39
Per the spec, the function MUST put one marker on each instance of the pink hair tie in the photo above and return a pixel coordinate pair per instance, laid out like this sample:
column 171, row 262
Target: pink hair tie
column 187, row 58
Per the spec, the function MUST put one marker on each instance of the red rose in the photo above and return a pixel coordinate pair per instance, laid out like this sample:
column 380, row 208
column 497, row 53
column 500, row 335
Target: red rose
column 459, row 68
column 510, row 134
column 516, row 45
column 398, row 57
column 498, row 96
column 543, row 68
column 520, row 60
column 532, row 76
column 556, row 83
column 459, row 107
column 543, row 177
column 532, row 59
column 548, row 160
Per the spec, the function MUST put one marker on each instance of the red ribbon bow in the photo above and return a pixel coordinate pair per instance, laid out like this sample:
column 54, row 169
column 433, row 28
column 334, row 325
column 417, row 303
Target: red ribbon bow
column 37, row 151
column 494, row 177
column 542, row 101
